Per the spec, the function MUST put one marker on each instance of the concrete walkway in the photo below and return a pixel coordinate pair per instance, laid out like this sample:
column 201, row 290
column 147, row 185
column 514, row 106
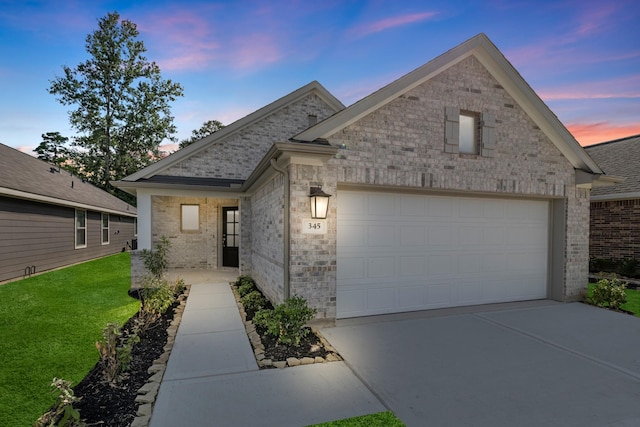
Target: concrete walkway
column 212, row 378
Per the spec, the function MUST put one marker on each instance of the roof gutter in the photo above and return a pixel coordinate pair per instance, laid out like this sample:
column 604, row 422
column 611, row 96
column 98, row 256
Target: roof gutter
column 287, row 228
column 59, row 202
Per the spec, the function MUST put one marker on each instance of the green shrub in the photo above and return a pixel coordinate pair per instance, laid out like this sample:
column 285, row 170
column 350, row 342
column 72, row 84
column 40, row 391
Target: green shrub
column 286, row 321
column 115, row 352
column 62, row 413
column 155, row 261
column 253, row 301
column 245, row 285
column 608, row 292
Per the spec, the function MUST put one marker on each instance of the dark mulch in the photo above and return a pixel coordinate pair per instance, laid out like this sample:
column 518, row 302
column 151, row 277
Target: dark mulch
column 310, row 345
column 104, row 404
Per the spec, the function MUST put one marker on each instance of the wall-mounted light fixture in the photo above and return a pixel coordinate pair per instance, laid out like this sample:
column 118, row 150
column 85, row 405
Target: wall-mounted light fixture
column 319, row 201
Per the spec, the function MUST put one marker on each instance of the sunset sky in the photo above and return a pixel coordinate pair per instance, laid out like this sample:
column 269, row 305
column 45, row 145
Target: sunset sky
column 232, row 57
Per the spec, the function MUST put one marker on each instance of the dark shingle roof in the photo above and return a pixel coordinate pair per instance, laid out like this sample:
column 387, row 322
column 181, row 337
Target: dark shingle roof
column 24, row 176
column 620, row 157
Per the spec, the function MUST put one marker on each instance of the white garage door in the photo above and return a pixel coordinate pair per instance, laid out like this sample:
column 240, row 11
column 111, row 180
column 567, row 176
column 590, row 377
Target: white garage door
column 404, row 252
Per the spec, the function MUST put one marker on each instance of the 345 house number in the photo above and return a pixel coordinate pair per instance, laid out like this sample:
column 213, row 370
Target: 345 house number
column 314, row 226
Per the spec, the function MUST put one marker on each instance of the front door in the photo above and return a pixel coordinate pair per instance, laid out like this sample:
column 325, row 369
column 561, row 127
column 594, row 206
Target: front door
column 230, row 236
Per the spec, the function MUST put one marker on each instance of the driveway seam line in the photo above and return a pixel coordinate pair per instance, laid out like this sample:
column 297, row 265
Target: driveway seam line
column 550, row 343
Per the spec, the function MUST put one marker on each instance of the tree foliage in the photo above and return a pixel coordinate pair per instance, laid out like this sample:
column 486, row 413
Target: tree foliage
column 53, row 148
column 121, row 104
column 208, row 127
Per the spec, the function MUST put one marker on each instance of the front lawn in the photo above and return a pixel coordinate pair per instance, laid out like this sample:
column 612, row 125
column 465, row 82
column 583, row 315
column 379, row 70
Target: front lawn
column 381, row 419
column 50, row 324
column 633, row 300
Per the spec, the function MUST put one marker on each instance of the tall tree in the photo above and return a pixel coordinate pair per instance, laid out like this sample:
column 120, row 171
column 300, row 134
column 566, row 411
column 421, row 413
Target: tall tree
column 208, row 127
column 122, row 103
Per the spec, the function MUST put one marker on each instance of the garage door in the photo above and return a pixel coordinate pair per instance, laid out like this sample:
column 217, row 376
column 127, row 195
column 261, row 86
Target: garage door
column 405, row 252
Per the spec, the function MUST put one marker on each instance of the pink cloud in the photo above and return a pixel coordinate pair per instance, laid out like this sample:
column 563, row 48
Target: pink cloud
column 188, row 40
column 593, row 133
column 621, row 88
column 393, row 22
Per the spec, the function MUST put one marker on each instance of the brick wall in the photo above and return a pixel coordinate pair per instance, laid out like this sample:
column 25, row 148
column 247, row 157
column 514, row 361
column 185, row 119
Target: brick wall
column 241, row 152
column 615, row 229
column 266, row 224
column 313, row 257
column 189, row 249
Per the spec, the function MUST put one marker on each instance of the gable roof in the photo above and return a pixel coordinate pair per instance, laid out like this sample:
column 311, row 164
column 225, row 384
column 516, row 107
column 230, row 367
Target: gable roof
column 619, row 157
column 196, row 147
column 26, row 177
column 492, row 59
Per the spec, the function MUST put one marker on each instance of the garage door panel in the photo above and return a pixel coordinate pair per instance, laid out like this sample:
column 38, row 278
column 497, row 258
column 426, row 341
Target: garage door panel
column 381, row 234
column 412, row 266
column 381, row 267
column 421, row 252
column 412, row 297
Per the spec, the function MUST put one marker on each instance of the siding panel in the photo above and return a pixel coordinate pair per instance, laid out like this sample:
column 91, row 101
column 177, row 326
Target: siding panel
column 35, row 234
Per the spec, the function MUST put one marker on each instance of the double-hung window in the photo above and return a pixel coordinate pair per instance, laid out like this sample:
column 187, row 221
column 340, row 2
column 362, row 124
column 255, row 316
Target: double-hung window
column 105, row 228
column 81, row 229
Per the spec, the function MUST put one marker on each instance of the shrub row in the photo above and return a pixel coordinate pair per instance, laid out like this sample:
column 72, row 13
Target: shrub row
column 286, row 322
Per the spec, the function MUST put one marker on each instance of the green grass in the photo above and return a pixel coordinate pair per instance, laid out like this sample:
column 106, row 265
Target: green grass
column 49, row 325
column 381, row 419
column 633, row 300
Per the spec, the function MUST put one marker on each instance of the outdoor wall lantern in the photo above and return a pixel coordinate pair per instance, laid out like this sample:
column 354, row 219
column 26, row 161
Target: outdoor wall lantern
column 319, row 203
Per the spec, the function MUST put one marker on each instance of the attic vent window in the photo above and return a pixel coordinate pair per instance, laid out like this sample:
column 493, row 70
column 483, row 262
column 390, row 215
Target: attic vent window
column 313, row 119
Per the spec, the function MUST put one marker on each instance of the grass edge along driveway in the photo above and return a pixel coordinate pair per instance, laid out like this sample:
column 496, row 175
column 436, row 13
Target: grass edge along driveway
column 50, row 324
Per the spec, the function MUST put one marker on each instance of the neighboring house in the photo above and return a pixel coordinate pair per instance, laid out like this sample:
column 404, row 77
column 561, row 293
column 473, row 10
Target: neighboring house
column 615, row 210
column 50, row 218
column 453, row 185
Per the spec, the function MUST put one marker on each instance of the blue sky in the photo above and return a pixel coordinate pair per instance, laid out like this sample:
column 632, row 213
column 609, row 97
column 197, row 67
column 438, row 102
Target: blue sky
column 232, row 57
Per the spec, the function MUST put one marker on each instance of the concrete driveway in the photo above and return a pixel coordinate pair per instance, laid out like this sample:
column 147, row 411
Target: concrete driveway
column 525, row 364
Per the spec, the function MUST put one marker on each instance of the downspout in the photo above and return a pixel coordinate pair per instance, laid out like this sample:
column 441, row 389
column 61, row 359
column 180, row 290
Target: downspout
column 287, row 227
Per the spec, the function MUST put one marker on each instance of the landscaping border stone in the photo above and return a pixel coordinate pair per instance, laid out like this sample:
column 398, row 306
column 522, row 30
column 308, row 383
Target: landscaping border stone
column 258, row 346
column 149, row 391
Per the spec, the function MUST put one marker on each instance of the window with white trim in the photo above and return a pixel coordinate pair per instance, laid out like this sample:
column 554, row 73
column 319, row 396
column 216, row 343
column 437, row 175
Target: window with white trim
column 469, row 132
column 105, row 228
column 81, row 229
column 190, row 217
column 135, row 227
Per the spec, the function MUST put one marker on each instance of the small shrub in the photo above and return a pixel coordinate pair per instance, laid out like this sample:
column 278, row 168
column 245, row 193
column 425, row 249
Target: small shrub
column 246, row 286
column 155, row 261
column 253, row 301
column 62, row 413
column 114, row 358
column 156, row 296
column 287, row 320
column 608, row 292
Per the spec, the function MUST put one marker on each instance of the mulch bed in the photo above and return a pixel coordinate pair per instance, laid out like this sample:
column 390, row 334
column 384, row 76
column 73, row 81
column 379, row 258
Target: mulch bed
column 109, row 405
column 310, row 346
column 104, row 404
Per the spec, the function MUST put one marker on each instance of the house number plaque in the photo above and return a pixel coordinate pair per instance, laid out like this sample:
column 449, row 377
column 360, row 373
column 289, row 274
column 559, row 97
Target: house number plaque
column 314, row 226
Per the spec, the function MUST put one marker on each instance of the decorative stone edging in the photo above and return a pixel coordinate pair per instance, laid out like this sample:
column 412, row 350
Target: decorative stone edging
column 258, row 346
column 148, row 392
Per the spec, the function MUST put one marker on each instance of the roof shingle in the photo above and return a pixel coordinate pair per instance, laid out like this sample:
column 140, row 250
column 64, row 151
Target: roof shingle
column 620, row 157
column 33, row 177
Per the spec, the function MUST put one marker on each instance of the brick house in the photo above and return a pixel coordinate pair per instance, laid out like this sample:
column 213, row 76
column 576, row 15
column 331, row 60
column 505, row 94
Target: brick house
column 50, row 218
column 453, row 185
column 615, row 210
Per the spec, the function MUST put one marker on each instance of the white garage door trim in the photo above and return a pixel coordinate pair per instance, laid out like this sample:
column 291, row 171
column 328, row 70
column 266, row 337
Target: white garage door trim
column 405, row 252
